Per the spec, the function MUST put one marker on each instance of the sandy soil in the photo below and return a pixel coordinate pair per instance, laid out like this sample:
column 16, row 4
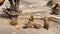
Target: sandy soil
column 29, row 9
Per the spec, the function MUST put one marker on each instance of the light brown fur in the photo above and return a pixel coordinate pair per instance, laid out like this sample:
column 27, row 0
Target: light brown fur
column 37, row 26
column 13, row 22
column 46, row 23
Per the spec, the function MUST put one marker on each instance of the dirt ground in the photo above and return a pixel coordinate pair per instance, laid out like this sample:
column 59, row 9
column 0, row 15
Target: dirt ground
column 37, row 11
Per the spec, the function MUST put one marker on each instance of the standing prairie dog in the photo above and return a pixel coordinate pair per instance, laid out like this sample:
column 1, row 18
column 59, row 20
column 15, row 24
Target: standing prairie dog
column 46, row 23
column 37, row 26
column 29, row 25
column 16, row 22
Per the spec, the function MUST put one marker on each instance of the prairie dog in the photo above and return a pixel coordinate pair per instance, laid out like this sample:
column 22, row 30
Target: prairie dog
column 56, row 9
column 46, row 23
column 13, row 22
column 29, row 25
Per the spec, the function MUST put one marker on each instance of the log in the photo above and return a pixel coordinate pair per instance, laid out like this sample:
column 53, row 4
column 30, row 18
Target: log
column 55, row 18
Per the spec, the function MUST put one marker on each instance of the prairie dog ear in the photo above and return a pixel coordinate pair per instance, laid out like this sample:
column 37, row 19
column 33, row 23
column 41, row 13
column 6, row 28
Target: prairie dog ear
column 1, row 2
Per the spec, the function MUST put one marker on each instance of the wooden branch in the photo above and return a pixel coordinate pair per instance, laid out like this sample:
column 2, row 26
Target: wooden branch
column 55, row 18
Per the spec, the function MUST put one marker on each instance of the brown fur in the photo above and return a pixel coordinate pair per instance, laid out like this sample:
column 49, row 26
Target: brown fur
column 13, row 22
column 37, row 26
column 1, row 2
column 46, row 23
column 29, row 25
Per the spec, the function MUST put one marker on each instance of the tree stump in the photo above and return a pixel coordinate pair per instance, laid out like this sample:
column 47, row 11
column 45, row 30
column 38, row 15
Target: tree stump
column 13, row 14
column 56, row 9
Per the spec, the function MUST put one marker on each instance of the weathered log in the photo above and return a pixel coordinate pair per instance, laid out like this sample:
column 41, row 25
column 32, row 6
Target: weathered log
column 55, row 18
column 10, row 13
column 14, row 6
column 46, row 23
column 56, row 9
